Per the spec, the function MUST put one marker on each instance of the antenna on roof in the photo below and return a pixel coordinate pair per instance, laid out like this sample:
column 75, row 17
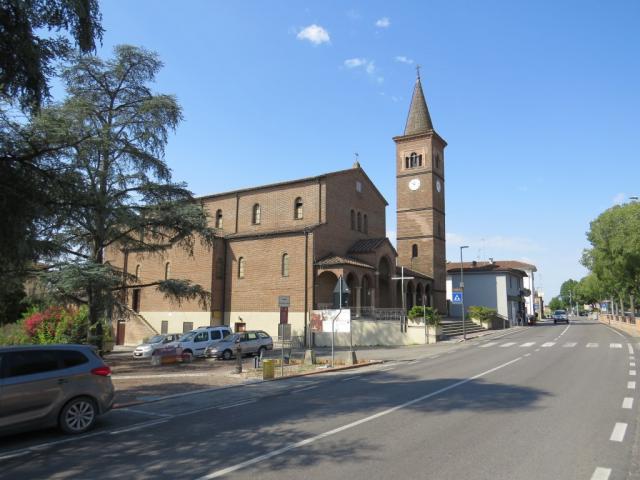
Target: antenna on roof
column 356, row 164
column 418, row 71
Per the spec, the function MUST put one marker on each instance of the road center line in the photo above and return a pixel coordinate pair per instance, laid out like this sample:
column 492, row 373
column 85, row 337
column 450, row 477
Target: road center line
column 237, row 404
column 631, row 385
column 627, row 403
column 630, row 347
column 601, row 473
column 315, row 438
column 349, row 378
column 618, row 432
column 632, row 373
column 632, row 364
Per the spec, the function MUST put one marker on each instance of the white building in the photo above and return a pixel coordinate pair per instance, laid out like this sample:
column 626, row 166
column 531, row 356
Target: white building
column 504, row 285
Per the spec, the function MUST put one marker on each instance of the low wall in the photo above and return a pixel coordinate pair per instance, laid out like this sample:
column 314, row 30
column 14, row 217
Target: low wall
column 630, row 325
column 371, row 333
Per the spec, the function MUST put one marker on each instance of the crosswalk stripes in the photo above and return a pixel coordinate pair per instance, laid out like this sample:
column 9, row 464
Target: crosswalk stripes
column 569, row 345
column 615, row 345
column 592, row 345
column 508, row 344
column 490, row 344
column 528, row 344
column 548, row 344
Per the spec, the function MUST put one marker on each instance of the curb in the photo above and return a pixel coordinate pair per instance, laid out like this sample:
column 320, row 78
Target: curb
column 226, row 387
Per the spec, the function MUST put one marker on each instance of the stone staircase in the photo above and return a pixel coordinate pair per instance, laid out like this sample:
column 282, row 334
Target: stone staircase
column 453, row 327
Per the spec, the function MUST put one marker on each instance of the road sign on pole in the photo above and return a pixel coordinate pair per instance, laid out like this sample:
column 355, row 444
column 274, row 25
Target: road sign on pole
column 457, row 298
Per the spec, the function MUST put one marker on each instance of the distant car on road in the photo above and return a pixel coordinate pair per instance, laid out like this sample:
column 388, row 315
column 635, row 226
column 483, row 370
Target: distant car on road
column 196, row 341
column 43, row 386
column 146, row 349
column 251, row 342
column 560, row 316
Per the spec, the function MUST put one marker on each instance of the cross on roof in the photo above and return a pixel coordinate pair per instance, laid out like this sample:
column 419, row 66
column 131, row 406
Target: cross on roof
column 418, row 71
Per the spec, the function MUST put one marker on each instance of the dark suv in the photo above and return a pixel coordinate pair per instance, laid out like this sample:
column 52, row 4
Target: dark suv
column 52, row 385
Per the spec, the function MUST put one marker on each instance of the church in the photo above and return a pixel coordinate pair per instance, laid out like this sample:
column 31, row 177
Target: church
column 296, row 238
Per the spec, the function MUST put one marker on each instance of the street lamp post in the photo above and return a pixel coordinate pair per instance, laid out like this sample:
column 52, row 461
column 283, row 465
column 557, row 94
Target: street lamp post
column 464, row 329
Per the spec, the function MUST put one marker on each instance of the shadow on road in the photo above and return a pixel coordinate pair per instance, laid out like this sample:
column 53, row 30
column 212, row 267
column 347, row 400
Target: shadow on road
column 198, row 443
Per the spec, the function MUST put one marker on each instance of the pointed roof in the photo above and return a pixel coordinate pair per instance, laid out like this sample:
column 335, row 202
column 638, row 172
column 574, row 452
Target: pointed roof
column 419, row 120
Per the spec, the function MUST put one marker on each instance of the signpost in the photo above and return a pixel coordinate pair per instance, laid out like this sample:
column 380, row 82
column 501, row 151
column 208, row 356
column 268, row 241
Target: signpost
column 341, row 294
column 402, row 278
column 284, row 329
column 456, row 297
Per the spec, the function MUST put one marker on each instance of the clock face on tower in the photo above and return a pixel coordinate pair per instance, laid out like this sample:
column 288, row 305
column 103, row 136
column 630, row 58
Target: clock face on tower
column 438, row 186
column 414, row 184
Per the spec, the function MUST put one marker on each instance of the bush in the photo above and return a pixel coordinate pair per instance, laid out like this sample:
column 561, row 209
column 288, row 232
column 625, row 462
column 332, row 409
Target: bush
column 52, row 325
column 430, row 313
column 14, row 334
column 483, row 314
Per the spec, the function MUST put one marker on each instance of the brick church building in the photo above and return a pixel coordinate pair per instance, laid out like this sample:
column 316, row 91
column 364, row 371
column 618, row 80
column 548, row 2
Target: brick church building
column 296, row 238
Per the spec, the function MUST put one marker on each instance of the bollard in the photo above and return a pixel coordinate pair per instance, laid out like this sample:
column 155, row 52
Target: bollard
column 268, row 369
column 238, row 359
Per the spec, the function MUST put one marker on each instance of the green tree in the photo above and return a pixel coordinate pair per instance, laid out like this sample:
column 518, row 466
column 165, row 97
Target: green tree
column 35, row 35
column 590, row 290
column 556, row 303
column 120, row 194
column 614, row 255
column 29, row 50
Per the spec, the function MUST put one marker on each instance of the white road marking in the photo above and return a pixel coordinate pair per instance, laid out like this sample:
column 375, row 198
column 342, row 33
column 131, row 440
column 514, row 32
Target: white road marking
column 163, row 375
column 528, row 344
column 601, row 473
column 632, row 373
column 527, row 354
column 618, row 432
column 548, row 344
column 631, row 385
column 321, row 436
column 490, row 344
column 632, row 364
column 627, row 403
column 537, row 349
column 508, row 344
column 142, row 412
column 569, row 344
column 305, row 389
column 615, row 345
column 349, row 378
column 237, row 404
column 139, row 426
column 412, row 362
column 630, row 347
column 388, row 369
column 434, row 356
column 592, row 345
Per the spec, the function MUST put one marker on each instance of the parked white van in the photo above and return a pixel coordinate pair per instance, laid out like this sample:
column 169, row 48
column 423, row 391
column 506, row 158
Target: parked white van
column 196, row 341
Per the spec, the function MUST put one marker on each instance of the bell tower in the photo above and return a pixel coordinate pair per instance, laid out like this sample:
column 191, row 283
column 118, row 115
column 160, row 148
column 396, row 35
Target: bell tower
column 420, row 197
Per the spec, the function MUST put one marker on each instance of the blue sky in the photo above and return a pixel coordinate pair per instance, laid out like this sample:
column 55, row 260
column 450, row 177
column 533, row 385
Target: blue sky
column 538, row 101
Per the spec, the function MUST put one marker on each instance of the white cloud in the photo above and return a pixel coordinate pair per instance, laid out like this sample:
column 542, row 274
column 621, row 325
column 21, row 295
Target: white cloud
column 355, row 62
column 315, row 34
column 619, row 198
column 369, row 66
column 403, row 59
column 383, row 23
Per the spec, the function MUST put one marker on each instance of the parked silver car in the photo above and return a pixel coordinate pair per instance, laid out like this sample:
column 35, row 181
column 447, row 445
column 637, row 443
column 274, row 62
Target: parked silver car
column 43, row 386
column 251, row 342
column 146, row 349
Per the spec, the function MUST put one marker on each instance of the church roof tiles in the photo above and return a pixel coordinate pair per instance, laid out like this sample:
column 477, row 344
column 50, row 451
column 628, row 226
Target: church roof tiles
column 419, row 120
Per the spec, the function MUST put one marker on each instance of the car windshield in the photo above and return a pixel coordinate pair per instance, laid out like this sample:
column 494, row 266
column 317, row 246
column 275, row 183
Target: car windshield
column 187, row 336
column 560, row 312
column 155, row 339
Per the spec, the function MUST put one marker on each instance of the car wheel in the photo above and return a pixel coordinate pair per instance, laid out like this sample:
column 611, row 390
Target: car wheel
column 78, row 415
column 261, row 350
column 227, row 354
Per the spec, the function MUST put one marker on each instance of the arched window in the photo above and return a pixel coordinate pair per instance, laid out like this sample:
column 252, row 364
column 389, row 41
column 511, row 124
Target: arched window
column 413, row 160
column 256, row 214
column 414, row 251
column 138, row 272
column 353, row 220
column 366, row 224
column 241, row 267
column 167, row 270
column 420, row 160
column 285, row 265
column 406, row 162
column 219, row 219
column 297, row 209
column 359, row 222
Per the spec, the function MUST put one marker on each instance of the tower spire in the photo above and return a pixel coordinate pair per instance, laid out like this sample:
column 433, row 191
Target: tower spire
column 419, row 120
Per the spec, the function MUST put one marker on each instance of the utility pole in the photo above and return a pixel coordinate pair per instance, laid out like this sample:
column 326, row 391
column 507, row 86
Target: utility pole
column 464, row 329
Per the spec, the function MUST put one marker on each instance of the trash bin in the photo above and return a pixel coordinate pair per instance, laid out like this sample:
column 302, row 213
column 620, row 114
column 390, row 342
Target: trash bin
column 268, row 369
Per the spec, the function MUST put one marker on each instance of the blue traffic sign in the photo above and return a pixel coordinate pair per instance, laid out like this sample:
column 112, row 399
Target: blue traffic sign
column 456, row 297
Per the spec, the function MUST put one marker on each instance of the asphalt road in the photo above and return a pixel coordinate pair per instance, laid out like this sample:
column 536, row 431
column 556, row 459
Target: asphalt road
column 546, row 402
